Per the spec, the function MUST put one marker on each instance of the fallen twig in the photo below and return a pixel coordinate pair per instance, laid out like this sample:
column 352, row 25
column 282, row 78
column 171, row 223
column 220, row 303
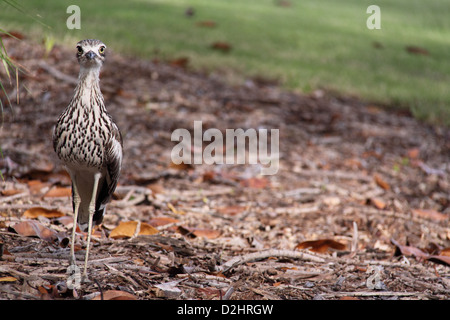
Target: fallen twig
column 373, row 294
column 267, row 254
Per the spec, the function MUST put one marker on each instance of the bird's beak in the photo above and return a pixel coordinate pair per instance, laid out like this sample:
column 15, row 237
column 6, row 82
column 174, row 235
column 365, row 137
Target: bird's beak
column 90, row 55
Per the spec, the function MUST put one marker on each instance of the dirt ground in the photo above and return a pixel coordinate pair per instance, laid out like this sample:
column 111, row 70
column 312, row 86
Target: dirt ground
column 359, row 208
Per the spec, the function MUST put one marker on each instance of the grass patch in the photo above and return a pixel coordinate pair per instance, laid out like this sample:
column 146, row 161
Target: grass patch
column 307, row 45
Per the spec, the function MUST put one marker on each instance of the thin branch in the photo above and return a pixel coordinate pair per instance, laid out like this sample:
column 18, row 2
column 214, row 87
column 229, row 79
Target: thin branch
column 255, row 256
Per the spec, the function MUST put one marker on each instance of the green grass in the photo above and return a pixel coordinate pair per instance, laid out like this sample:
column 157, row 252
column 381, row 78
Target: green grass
column 311, row 44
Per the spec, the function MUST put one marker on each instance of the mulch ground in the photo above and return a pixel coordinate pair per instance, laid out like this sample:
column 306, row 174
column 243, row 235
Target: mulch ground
column 359, row 208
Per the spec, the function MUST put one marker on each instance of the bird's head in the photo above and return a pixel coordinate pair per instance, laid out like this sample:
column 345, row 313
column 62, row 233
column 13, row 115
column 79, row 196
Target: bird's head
column 91, row 53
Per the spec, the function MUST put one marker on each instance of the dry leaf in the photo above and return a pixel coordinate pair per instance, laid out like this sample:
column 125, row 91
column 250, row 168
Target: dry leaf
column 179, row 62
column 128, row 229
column 147, row 229
column 439, row 259
column 413, row 153
column 36, row 186
column 284, row 3
column 31, row 228
column 430, row 214
column 11, row 34
column 231, row 210
column 156, row 188
column 161, row 221
column 222, row 46
column 115, row 295
column 417, row 50
column 445, row 252
column 255, row 183
column 182, row 166
column 207, row 233
column 410, row 250
column 321, row 246
column 65, row 220
column 10, row 192
column 381, row 182
column 378, row 203
column 208, row 176
column 418, row 253
column 185, row 232
column 207, row 24
column 124, row 230
column 58, row 192
column 7, row 279
column 35, row 212
column 348, row 298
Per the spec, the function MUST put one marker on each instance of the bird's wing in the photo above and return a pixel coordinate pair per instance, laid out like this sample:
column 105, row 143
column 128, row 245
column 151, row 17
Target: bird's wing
column 114, row 157
column 113, row 153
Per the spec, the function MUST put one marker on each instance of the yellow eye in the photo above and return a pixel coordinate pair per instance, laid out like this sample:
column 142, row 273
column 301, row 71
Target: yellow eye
column 101, row 50
column 79, row 50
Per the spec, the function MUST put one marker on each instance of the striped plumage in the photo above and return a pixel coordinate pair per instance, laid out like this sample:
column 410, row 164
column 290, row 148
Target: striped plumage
column 89, row 143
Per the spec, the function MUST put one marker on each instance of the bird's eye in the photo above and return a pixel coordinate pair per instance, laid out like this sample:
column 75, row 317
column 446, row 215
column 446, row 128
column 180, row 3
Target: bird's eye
column 79, row 50
column 101, row 50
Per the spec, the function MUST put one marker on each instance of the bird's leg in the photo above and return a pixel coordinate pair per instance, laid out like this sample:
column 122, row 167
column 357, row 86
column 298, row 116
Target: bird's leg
column 76, row 201
column 91, row 216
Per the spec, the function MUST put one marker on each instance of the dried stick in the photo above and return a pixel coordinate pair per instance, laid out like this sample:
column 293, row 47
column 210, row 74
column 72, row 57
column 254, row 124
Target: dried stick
column 267, row 254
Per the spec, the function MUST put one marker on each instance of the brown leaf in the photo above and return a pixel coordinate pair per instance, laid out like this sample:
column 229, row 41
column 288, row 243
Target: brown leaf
column 58, row 192
column 31, row 228
column 7, row 279
column 442, row 258
column 321, row 246
column 378, row 203
column 186, row 232
column 115, row 295
column 207, row 233
column 179, row 62
column 128, row 229
column 445, row 252
column 430, row 214
column 124, row 230
column 255, row 183
column 410, row 250
column 439, row 259
column 206, row 24
column 348, row 298
column 182, row 166
column 161, row 221
column 284, row 3
column 65, row 220
column 35, row 212
column 208, row 176
column 381, row 182
column 147, row 229
column 36, row 186
column 12, row 33
column 222, row 46
column 417, row 50
column 231, row 210
column 156, row 188
column 413, row 153
column 10, row 192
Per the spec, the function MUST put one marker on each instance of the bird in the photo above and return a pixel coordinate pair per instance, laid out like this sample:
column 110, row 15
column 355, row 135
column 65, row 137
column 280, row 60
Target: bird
column 89, row 144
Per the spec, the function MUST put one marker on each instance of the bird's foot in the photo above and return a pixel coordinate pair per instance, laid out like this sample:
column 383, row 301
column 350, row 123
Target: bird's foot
column 85, row 278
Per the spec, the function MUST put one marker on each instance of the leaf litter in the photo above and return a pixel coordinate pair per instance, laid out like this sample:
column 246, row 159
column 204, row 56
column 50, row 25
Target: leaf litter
column 360, row 189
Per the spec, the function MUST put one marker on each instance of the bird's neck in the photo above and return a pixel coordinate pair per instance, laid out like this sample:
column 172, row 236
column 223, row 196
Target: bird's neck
column 89, row 77
column 88, row 87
